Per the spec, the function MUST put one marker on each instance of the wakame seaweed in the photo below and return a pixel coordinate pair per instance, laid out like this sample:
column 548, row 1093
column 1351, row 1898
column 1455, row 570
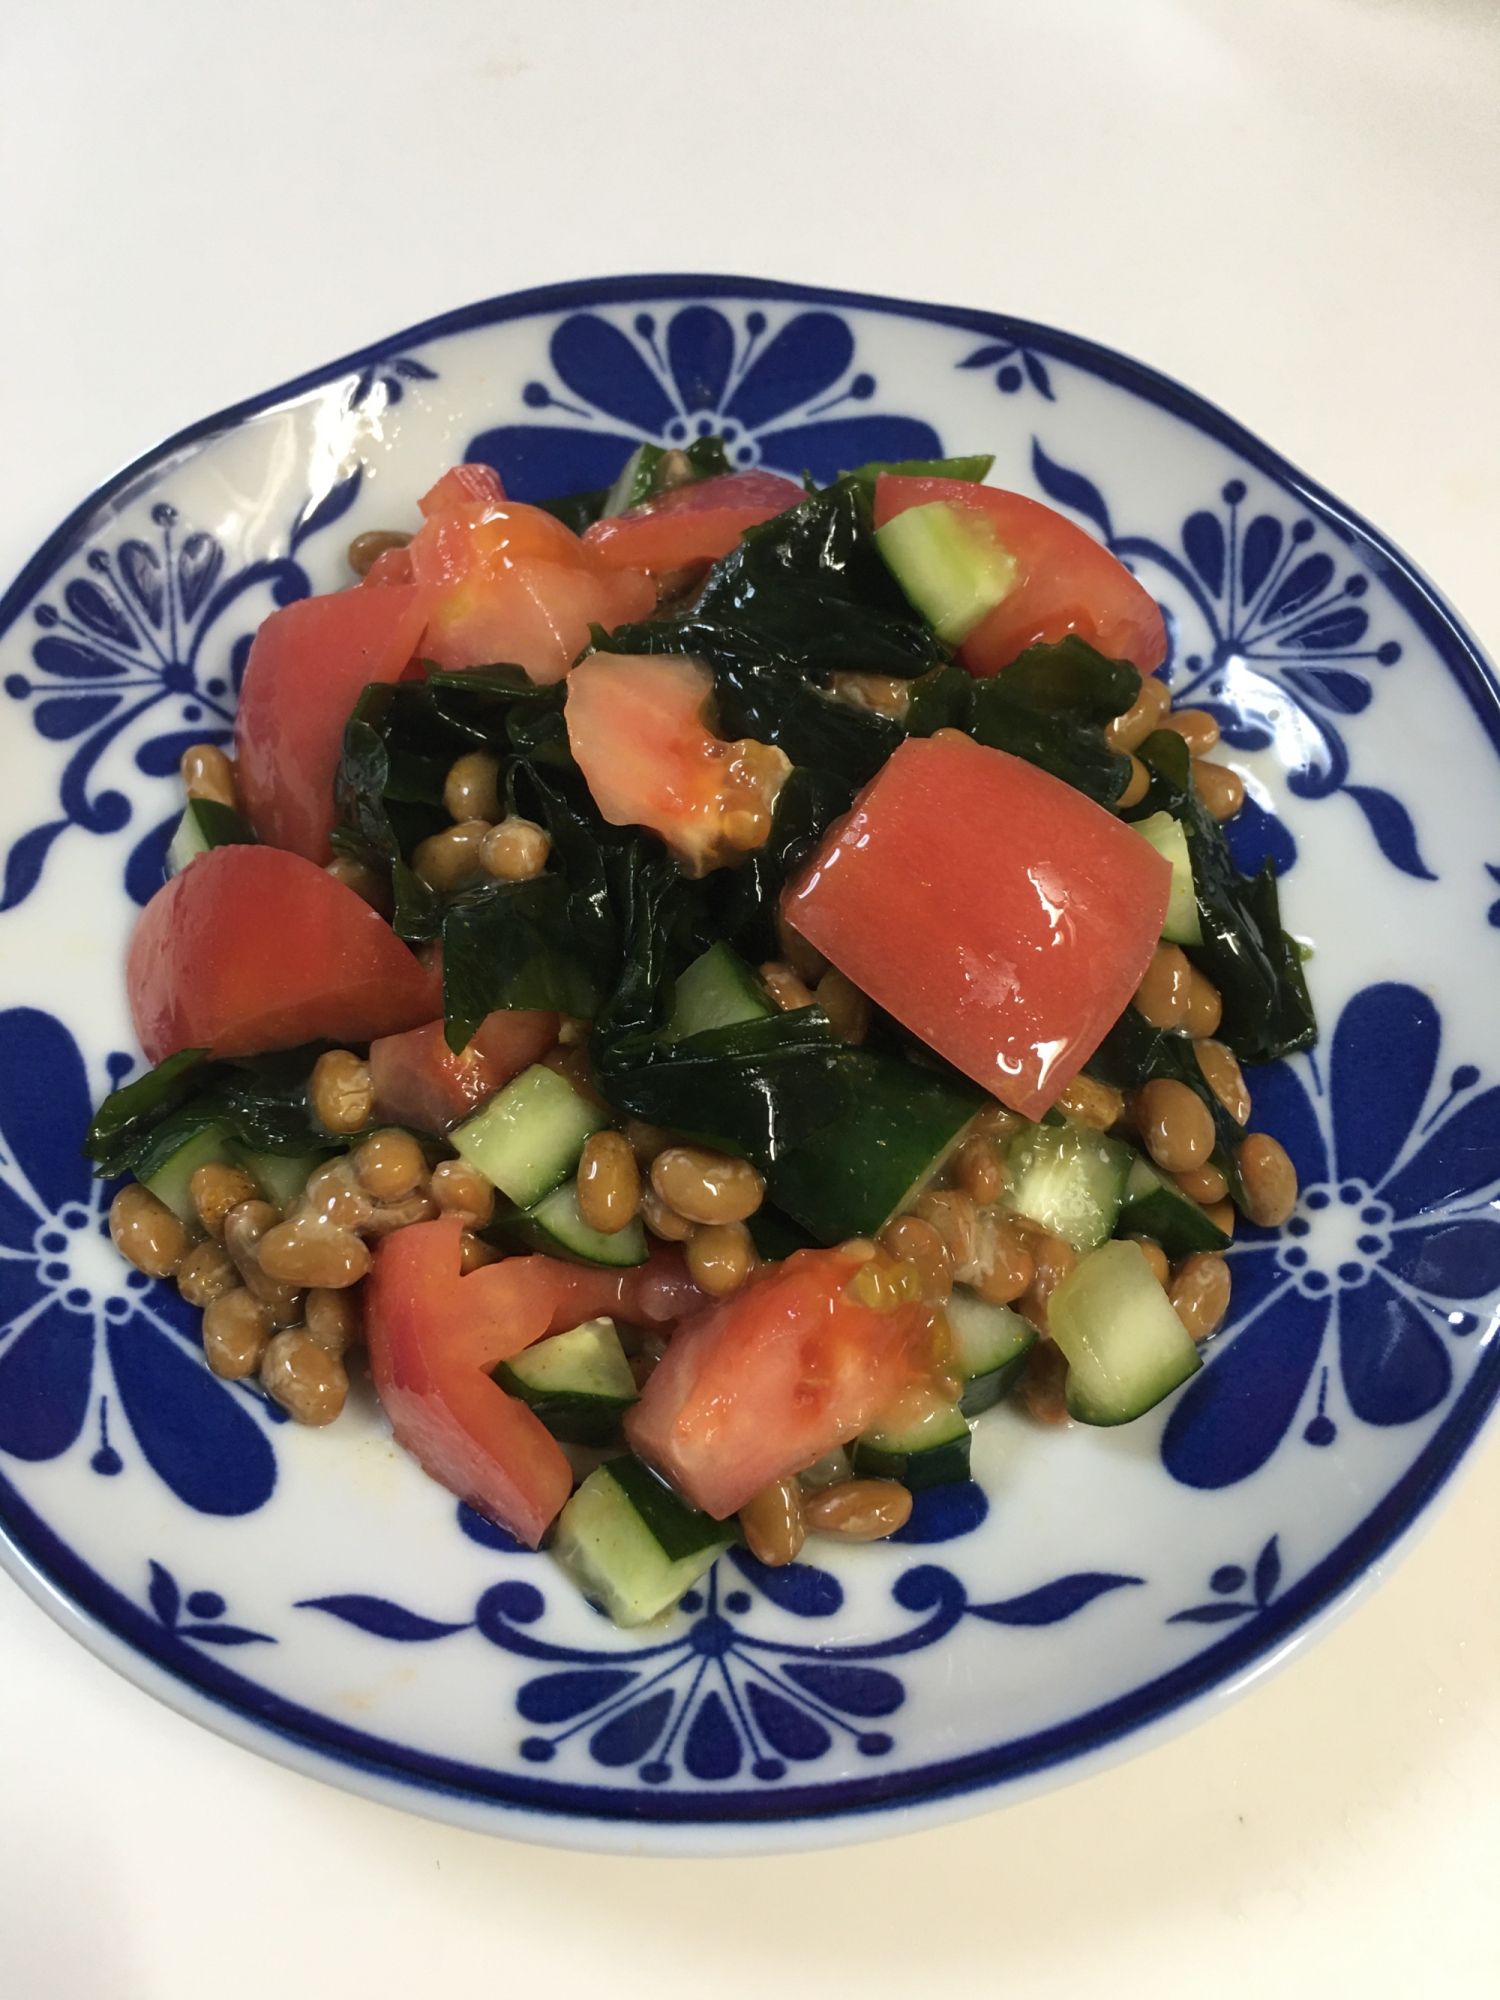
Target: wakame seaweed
column 259, row 1101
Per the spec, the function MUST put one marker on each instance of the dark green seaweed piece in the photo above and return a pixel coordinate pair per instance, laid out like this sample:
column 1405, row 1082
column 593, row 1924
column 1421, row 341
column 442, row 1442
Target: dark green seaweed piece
column 260, row 1100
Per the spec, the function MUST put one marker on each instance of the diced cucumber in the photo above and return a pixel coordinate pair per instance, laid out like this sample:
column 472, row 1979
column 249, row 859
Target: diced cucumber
column 169, row 1181
column 1070, row 1179
column 1125, row 1346
column 631, row 1545
column 872, row 1162
column 718, row 990
column 559, row 1229
column 990, row 1345
column 281, row 1176
column 923, row 1442
column 1155, row 1207
column 634, row 482
column 1166, row 835
column 528, row 1137
column 950, row 564
column 579, row 1383
column 205, row 824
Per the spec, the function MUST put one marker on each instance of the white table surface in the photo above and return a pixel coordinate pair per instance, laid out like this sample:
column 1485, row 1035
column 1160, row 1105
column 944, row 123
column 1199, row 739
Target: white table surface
column 1291, row 205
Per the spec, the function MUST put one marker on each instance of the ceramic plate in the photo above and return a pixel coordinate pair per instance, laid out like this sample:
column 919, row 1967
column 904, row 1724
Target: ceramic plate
column 314, row 1596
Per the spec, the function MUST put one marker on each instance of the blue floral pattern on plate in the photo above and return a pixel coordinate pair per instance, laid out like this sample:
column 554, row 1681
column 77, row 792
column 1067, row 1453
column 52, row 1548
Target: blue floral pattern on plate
column 1361, row 1355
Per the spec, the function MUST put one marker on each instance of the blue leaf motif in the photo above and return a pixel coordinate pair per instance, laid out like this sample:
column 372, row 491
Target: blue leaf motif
column 853, row 1690
column 140, row 566
column 839, row 443
column 712, row 1749
column 70, row 715
column 1390, row 1031
column 412, row 369
column 1204, row 545
column 44, row 1104
column 71, row 662
column 1070, row 489
column 629, row 1736
column 1302, row 583
column 1267, row 1573
column 96, row 609
column 799, row 1588
column 1234, row 1413
column 599, row 364
column 1391, row 825
column 700, row 354
column 196, row 1435
column 333, row 506
column 983, row 356
column 1053, row 1602
column 224, row 1635
column 1450, row 1260
column 535, row 461
column 1333, row 631
column 943, row 1513
column 381, row 1618
column 1210, row 1614
column 198, row 564
column 146, row 869
column 23, row 865
column 1395, row 1367
column 166, row 1599
column 786, row 1728
column 806, row 358
column 1329, row 687
column 44, row 1384
column 1258, row 553
column 559, row 1697
column 1256, row 836
column 1460, row 1158
column 1040, row 380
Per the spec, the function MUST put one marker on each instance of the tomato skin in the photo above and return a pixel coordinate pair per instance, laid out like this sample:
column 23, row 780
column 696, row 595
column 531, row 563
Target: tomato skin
column 434, row 1335
column 253, row 948
column 306, row 669
column 419, row 1081
column 511, row 583
column 763, row 1384
column 998, row 913
column 636, row 729
column 1068, row 581
column 697, row 523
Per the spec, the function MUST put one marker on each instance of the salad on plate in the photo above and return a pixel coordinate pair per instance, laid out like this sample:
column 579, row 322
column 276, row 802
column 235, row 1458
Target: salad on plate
column 712, row 984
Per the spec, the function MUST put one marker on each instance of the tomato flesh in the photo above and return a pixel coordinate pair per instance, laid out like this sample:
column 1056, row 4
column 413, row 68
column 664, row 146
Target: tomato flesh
column 435, row 1334
column 998, row 913
column 636, row 728
column 689, row 524
column 419, row 1081
column 305, row 672
column 510, row 583
column 763, row 1384
column 1066, row 581
column 253, row 948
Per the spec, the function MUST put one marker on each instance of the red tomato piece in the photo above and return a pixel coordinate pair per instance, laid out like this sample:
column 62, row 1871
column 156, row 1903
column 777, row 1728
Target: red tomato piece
column 252, row 948
column 636, row 728
column 511, row 583
column 305, row 672
column 697, row 523
column 419, row 1081
column 763, row 1384
column 393, row 566
column 434, row 1335
column 998, row 913
column 1067, row 582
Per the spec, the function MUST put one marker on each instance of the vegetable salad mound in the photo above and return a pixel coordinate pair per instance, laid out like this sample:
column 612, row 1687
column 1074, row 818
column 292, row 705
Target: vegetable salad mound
column 714, row 986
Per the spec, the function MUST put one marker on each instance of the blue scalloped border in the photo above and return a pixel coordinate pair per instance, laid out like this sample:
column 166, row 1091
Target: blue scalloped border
column 43, row 1551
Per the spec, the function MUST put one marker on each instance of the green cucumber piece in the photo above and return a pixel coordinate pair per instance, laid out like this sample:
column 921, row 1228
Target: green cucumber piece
column 281, row 1177
column 169, row 1182
column 631, row 1545
column 1125, row 1346
column 718, row 990
column 578, row 1383
column 1070, row 1179
column 990, row 1346
column 950, row 564
column 205, row 824
column 1166, row 835
column 924, row 1442
column 557, row 1227
column 1155, row 1207
column 529, row 1136
column 873, row 1161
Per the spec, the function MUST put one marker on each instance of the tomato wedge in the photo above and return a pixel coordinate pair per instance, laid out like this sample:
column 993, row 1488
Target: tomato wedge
column 1067, row 581
column 435, row 1334
column 252, row 948
column 305, row 672
column 999, row 914
column 765, row 1383
column 689, row 524
column 636, row 729
column 420, row 1082
column 508, row 582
